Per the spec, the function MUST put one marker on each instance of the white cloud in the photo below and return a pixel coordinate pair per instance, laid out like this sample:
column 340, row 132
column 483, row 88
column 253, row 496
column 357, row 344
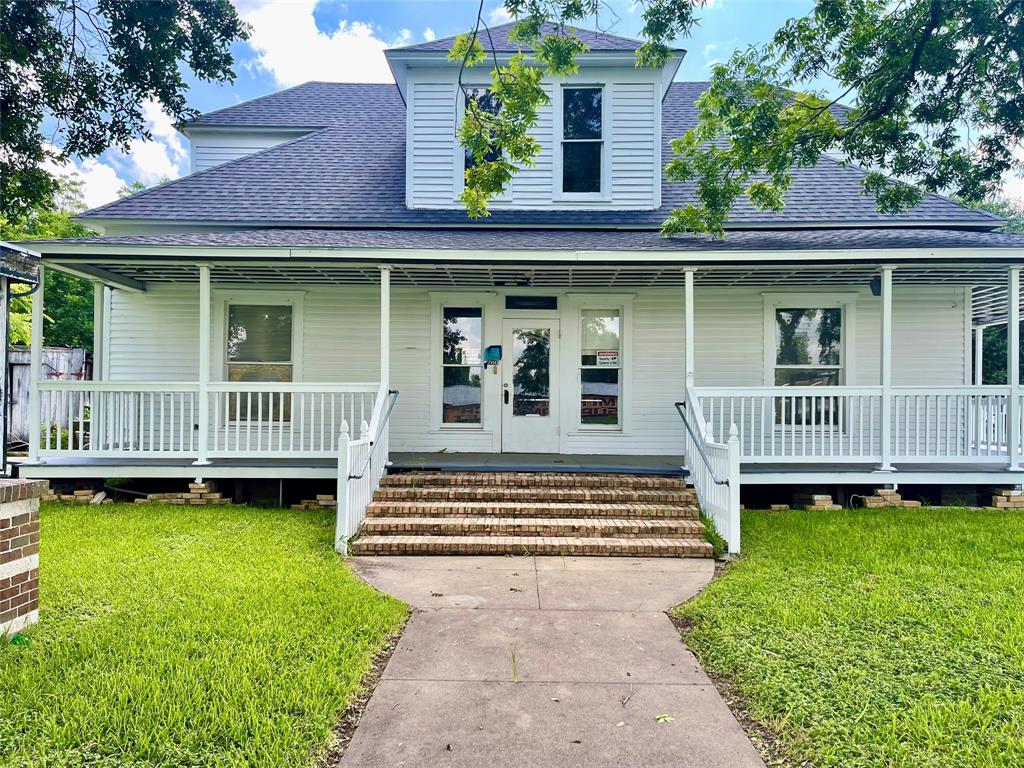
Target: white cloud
column 165, row 155
column 100, row 182
column 499, row 15
column 710, row 49
column 428, row 35
column 289, row 46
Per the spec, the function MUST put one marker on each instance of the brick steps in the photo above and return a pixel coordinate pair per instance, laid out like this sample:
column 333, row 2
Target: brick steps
column 536, row 545
column 532, row 526
column 535, row 494
column 515, row 509
column 551, row 513
column 534, row 480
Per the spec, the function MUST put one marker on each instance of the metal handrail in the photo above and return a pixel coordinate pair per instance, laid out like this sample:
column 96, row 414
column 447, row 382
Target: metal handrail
column 699, row 442
column 392, row 399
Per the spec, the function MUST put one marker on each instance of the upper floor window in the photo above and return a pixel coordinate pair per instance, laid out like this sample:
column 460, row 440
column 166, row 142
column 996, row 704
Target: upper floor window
column 488, row 103
column 581, row 140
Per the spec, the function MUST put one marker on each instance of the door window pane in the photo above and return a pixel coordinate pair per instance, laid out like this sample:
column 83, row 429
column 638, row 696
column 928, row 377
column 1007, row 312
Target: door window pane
column 462, row 329
column 461, row 345
column 460, row 395
column 808, row 336
column 600, row 363
column 599, row 396
column 531, row 378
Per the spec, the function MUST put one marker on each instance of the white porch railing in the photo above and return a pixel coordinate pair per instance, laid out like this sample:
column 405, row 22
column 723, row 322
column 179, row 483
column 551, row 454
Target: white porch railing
column 272, row 419
column 108, row 419
column 845, row 424
column 361, row 464
column 714, row 471
column 157, row 420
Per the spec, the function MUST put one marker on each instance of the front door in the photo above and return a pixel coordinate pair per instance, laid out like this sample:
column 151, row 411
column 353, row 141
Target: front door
column 529, row 387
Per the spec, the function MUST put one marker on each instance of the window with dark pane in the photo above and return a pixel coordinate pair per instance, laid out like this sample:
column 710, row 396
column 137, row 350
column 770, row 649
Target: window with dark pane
column 809, row 353
column 600, row 366
column 582, row 144
column 259, row 349
column 488, row 103
column 461, row 345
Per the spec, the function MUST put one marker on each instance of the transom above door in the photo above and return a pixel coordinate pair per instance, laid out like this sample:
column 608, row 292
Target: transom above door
column 529, row 386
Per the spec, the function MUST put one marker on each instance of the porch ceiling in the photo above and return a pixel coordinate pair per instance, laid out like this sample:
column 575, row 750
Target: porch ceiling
column 989, row 281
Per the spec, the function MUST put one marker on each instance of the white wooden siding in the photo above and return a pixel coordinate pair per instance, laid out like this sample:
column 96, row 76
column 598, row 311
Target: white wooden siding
column 633, row 147
column 431, row 143
column 154, row 337
column 210, row 149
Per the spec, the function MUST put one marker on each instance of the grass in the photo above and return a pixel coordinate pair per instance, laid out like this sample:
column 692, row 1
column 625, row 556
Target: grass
column 875, row 637
column 178, row 636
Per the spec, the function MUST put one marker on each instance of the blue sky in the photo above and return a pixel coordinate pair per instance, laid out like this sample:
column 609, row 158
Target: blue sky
column 294, row 41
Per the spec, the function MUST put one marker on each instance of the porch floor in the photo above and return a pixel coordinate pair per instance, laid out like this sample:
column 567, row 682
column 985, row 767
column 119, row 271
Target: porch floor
column 325, row 467
column 538, row 462
column 320, row 467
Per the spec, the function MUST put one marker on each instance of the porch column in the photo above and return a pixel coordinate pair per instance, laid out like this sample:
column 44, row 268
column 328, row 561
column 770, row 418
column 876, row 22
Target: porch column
column 885, row 370
column 979, row 355
column 385, row 328
column 690, row 342
column 99, row 298
column 35, row 413
column 204, row 363
column 97, row 419
column 1013, row 366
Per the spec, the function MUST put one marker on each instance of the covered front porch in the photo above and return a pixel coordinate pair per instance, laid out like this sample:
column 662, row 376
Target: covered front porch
column 684, row 332
column 885, row 382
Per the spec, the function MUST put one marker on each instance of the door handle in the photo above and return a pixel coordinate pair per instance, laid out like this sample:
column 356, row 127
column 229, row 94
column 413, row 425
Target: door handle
column 506, row 397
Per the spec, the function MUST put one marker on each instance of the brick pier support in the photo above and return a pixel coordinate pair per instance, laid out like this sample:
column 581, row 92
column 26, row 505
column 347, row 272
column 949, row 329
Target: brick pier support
column 19, row 553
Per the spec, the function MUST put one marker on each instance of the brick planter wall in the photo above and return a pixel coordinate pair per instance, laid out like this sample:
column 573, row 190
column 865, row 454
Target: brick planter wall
column 19, row 553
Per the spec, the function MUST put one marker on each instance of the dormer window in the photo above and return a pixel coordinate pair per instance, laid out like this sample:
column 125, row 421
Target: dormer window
column 582, row 140
column 487, row 102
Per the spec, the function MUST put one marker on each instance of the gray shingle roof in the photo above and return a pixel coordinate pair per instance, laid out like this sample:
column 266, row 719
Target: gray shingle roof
column 310, row 105
column 497, row 39
column 351, row 173
column 570, row 240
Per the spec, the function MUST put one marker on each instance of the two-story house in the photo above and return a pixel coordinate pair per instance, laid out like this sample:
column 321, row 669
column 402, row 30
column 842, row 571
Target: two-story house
column 316, row 259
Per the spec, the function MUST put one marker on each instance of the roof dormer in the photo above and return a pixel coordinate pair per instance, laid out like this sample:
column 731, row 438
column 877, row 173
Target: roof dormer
column 600, row 133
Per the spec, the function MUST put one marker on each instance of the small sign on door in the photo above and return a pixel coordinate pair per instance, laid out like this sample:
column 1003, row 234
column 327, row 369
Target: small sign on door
column 607, row 357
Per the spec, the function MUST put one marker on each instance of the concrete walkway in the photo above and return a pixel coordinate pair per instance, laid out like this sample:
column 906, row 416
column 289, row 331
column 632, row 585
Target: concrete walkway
column 543, row 661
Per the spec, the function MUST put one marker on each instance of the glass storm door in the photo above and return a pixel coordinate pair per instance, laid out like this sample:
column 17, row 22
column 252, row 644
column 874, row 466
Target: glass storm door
column 529, row 387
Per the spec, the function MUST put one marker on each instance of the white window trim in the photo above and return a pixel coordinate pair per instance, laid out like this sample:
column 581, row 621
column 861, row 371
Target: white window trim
column 221, row 300
column 846, row 301
column 558, row 130
column 573, row 349
column 485, row 301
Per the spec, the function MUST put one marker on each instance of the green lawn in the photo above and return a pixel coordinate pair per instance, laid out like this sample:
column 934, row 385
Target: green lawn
column 178, row 636
column 875, row 637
